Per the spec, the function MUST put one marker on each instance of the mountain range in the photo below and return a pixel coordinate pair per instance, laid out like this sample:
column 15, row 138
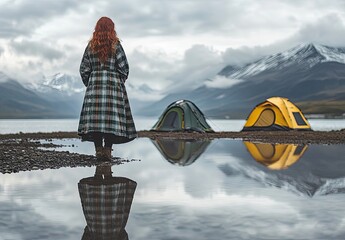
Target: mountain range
column 59, row 96
column 311, row 76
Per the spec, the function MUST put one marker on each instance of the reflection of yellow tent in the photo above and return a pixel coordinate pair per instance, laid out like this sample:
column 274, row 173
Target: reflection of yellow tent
column 276, row 113
column 181, row 151
column 276, row 156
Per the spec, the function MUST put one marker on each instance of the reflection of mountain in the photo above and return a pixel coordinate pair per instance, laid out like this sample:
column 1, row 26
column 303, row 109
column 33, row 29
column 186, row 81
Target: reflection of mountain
column 22, row 221
column 106, row 202
column 182, row 152
column 275, row 156
column 320, row 171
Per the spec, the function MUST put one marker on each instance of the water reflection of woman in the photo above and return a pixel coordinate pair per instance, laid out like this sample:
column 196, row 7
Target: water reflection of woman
column 106, row 202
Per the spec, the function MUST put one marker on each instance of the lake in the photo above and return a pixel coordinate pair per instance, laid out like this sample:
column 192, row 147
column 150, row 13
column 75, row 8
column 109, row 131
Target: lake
column 220, row 189
column 142, row 123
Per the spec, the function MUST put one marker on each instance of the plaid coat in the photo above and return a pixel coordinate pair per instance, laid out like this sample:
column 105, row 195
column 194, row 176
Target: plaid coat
column 106, row 107
column 106, row 205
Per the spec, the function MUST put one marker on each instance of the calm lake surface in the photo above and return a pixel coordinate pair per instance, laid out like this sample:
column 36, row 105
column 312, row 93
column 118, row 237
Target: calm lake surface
column 220, row 189
column 69, row 125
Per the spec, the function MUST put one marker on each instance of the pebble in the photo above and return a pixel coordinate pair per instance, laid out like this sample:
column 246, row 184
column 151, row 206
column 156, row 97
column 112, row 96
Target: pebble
column 26, row 155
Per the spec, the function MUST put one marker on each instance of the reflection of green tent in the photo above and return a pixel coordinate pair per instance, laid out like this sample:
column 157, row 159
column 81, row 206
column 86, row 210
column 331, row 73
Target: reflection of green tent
column 181, row 152
column 182, row 115
column 276, row 156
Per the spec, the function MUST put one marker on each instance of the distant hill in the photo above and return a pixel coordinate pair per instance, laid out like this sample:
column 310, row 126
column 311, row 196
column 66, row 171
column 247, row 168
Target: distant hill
column 307, row 74
column 66, row 92
column 17, row 101
column 57, row 96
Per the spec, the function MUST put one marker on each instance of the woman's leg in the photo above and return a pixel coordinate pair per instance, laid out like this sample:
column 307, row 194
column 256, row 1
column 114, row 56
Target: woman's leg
column 107, row 140
column 107, row 146
column 98, row 142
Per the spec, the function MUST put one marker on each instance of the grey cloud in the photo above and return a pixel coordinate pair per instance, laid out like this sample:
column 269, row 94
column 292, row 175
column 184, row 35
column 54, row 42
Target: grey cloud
column 171, row 17
column 23, row 17
column 209, row 17
column 164, row 75
column 38, row 49
column 243, row 55
column 149, row 69
column 236, row 20
column 328, row 30
column 315, row 4
column 199, row 63
column 200, row 55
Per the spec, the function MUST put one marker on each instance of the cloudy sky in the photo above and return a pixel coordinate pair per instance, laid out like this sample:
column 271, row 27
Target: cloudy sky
column 168, row 42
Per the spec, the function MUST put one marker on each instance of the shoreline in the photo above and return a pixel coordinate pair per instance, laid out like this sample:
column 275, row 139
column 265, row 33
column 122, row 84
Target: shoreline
column 24, row 151
column 293, row 137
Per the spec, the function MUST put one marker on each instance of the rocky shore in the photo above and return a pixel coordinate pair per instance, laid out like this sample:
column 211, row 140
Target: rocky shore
column 293, row 137
column 25, row 151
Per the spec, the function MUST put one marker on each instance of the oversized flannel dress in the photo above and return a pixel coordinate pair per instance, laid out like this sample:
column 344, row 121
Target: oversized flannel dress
column 106, row 107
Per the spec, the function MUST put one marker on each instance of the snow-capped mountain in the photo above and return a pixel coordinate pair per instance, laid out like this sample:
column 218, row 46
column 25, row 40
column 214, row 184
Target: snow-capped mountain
column 303, row 56
column 63, row 83
column 62, row 90
column 307, row 74
column 17, row 101
column 58, row 96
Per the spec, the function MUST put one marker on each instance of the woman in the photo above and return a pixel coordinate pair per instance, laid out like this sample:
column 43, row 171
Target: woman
column 106, row 114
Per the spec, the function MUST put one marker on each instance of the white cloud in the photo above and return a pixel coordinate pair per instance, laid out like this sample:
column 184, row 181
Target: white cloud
column 221, row 82
column 37, row 49
column 199, row 63
column 164, row 73
column 22, row 18
column 150, row 68
column 169, row 44
column 323, row 29
column 328, row 30
column 241, row 56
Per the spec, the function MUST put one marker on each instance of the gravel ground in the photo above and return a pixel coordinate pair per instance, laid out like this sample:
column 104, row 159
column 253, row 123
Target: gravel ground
column 25, row 152
column 297, row 137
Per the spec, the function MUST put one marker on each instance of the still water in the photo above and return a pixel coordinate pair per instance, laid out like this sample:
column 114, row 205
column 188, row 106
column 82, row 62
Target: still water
column 220, row 189
column 142, row 123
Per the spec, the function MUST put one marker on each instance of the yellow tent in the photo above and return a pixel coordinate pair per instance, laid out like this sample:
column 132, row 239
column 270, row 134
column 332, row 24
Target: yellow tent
column 276, row 113
column 276, row 156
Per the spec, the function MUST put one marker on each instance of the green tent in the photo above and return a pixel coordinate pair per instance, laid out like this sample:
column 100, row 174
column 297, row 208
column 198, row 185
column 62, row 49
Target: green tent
column 182, row 115
column 182, row 152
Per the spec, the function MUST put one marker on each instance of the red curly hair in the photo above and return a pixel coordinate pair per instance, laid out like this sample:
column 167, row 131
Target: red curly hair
column 104, row 38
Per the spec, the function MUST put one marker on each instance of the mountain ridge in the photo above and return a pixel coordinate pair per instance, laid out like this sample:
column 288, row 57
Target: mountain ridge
column 309, row 74
column 309, row 54
column 19, row 101
column 304, row 73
